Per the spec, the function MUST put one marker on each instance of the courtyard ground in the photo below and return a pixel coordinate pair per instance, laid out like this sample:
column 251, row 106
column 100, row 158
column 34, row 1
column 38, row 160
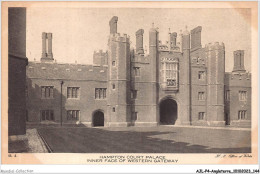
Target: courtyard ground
column 161, row 139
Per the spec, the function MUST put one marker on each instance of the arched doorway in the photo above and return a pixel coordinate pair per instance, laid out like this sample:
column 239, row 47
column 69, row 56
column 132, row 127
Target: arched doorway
column 98, row 118
column 168, row 112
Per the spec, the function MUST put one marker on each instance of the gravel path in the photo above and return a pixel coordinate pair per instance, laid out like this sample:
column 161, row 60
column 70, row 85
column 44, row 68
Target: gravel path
column 35, row 143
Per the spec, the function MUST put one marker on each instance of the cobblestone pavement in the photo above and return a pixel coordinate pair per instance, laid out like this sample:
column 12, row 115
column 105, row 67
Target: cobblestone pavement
column 161, row 139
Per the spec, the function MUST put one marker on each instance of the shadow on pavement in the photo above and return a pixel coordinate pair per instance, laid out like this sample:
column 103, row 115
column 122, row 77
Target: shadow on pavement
column 95, row 140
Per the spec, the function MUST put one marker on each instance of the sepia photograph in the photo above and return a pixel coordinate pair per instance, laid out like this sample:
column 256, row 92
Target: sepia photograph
column 110, row 80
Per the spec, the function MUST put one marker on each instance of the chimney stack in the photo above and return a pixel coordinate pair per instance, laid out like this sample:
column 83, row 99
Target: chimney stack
column 49, row 36
column 196, row 37
column 44, row 37
column 173, row 38
column 47, row 55
column 113, row 25
column 139, row 41
column 239, row 61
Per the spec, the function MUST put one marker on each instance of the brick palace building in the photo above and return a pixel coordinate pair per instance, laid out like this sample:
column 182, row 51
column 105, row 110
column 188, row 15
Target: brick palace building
column 176, row 83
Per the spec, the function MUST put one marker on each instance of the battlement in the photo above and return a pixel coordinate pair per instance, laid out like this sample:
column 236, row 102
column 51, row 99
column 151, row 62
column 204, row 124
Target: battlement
column 238, row 79
column 100, row 57
column 117, row 37
column 240, row 76
column 165, row 47
column 100, row 52
column 215, row 46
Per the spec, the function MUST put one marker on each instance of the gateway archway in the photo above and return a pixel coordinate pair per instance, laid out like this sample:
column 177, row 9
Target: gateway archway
column 98, row 118
column 168, row 112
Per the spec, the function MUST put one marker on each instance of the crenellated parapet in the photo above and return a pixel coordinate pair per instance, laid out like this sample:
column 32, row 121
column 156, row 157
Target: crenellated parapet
column 238, row 79
column 100, row 52
column 100, row 57
column 214, row 46
column 117, row 37
column 240, row 76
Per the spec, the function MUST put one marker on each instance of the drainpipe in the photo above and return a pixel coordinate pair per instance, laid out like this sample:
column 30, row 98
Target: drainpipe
column 61, row 83
column 190, row 91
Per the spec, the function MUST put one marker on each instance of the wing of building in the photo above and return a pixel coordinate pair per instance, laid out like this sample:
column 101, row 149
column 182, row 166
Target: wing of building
column 17, row 62
column 175, row 83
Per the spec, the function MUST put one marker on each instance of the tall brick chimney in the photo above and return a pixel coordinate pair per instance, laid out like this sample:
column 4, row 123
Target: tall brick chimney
column 173, row 39
column 47, row 55
column 113, row 25
column 239, row 61
column 139, row 41
column 196, row 37
column 44, row 53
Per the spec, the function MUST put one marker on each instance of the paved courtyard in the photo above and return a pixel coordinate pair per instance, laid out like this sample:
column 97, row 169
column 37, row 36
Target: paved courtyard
column 161, row 139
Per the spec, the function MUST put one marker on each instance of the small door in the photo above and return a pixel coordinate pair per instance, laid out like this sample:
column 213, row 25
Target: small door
column 98, row 119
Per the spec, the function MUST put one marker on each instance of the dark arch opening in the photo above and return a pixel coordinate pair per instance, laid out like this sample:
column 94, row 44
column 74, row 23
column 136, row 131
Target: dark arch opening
column 168, row 112
column 98, row 119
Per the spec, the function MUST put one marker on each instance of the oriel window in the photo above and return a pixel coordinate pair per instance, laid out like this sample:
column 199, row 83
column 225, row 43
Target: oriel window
column 170, row 73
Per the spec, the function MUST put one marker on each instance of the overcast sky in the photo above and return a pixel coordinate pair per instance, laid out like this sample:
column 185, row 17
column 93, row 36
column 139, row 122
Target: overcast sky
column 77, row 32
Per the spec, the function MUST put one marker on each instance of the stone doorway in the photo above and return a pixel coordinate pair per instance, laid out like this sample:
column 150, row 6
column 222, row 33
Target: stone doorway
column 168, row 112
column 98, row 118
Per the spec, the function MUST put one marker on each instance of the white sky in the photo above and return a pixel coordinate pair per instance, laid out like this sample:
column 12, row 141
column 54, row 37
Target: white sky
column 77, row 32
